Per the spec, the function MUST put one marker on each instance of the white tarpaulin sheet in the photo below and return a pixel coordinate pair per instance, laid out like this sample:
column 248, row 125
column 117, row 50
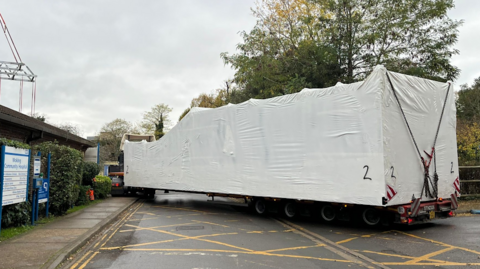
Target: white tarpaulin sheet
column 346, row 144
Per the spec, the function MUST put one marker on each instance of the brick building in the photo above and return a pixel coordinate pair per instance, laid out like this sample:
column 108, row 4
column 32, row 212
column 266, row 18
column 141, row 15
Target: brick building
column 20, row 127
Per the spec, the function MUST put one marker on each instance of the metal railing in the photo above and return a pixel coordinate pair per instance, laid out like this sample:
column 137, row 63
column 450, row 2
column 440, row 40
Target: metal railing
column 470, row 180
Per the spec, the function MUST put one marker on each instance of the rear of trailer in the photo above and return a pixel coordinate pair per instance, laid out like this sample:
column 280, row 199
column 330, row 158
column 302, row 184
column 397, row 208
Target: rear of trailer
column 386, row 144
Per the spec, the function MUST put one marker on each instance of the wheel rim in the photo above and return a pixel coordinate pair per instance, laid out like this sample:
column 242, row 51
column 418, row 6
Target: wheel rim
column 371, row 216
column 290, row 210
column 260, row 207
column 328, row 213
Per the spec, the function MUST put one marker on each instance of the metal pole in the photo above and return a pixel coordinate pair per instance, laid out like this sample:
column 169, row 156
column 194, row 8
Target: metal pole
column 49, row 183
column 2, row 161
column 33, row 207
column 36, row 205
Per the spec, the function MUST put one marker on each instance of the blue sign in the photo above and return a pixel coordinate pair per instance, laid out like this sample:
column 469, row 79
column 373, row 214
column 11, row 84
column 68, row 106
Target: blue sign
column 44, row 191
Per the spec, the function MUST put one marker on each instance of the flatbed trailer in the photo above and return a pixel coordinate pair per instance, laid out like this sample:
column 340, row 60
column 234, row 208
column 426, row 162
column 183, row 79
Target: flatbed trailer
column 381, row 150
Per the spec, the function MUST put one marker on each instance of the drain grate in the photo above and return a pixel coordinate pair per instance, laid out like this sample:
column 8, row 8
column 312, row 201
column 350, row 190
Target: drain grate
column 189, row 228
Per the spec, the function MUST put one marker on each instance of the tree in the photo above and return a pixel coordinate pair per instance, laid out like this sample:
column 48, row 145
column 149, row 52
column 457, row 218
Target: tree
column 468, row 102
column 468, row 123
column 110, row 138
column 468, row 142
column 70, row 127
column 217, row 99
column 40, row 116
column 155, row 120
column 315, row 43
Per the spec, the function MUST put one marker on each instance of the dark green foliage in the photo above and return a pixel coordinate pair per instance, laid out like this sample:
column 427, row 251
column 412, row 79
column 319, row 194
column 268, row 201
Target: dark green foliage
column 82, row 195
column 65, row 175
column 16, row 215
column 297, row 44
column 468, row 102
column 102, row 186
column 90, row 170
column 13, row 143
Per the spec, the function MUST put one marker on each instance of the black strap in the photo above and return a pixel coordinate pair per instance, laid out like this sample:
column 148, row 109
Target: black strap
column 427, row 179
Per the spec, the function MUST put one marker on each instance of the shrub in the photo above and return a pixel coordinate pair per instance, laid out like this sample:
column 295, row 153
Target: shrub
column 102, row 186
column 82, row 195
column 16, row 215
column 90, row 170
column 65, row 175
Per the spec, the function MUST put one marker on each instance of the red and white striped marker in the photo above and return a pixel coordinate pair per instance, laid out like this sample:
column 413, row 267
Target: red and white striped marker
column 416, row 207
column 454, row 201
column 390, row 192
column 456, row 185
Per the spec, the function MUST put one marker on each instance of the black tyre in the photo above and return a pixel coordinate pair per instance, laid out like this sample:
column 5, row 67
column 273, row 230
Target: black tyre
column 260, row 206
column 371, row 216
column 328, row 213
column 289, row 209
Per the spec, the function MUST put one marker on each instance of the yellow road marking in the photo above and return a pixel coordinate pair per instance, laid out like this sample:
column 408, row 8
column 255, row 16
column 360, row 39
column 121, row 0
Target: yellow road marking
column 429, row 255
column 403, row 256
column 255, row 232
column 143, row 219
column 165, row 241
column 124, row 219
column 87, row 261
column 433, row 264
column 80, row 260
column 99, row 241
column 211, row 223
column 240, row 252
column 293, row 248
column 346, row 240
column 440, row 243
column 156, row 227
column 190, row 237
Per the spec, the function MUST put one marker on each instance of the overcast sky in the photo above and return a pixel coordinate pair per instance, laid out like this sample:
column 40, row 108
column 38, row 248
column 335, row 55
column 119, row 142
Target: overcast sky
column 101, row 60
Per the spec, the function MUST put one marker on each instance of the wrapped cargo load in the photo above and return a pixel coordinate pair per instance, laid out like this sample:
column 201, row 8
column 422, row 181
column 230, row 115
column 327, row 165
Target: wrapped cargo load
column 367, row 143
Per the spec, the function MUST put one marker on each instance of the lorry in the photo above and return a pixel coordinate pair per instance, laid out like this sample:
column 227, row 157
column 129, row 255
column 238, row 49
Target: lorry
column 116, row 172
column 382, row 150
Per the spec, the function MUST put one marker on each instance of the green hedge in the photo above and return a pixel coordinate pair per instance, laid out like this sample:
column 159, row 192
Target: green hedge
column 65, row 175
column 102, row 186
column 90, row 170
column 82, row 195
column 13, row 143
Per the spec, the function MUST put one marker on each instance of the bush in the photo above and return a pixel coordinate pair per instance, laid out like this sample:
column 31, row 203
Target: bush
column 82, row 195
column 16, row 215
column 102, row 186
column 65, row 175
column 90, row 170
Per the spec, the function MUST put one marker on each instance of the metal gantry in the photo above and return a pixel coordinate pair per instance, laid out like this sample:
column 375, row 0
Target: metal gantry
column 17, row 70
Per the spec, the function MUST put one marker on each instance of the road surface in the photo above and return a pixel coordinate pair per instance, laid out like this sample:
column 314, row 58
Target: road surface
column 179, row 230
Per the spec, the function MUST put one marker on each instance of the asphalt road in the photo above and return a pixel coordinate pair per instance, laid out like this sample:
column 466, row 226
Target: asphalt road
column 179, row 230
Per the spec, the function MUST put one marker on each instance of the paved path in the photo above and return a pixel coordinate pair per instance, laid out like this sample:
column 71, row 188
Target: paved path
column 185, row 231
column 47, row 246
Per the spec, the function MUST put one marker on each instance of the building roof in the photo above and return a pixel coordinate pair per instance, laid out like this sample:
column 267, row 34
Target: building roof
column 19, row 119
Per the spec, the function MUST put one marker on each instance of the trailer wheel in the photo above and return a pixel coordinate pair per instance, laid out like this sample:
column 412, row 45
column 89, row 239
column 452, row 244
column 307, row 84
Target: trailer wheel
column 260, row 206
column 371, row 216
column 328, row 213
column 289, row 209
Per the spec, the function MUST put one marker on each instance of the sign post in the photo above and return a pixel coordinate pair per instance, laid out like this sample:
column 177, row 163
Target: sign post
column 44, row 190
column 14, row 173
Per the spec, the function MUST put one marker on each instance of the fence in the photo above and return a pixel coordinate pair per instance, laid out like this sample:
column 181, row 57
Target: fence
column 470, row 180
